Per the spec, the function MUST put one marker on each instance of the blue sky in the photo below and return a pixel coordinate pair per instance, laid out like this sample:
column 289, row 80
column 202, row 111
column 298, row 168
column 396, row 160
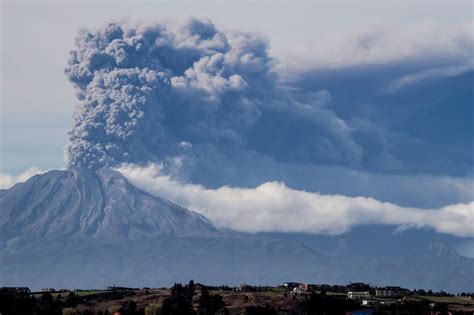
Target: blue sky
column 350, row 98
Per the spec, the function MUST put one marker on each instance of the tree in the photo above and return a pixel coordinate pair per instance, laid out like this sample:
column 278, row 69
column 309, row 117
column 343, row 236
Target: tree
column 129, row 309
column 72, row 300
column 191, row 289
column 204, row 301
column 46, row 299
column 180, row 302
column 210, row 304
column 14, row 303
column 47, row 305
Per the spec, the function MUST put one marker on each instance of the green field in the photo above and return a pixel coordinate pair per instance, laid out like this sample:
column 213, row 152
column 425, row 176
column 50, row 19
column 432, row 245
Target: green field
column 461, row 300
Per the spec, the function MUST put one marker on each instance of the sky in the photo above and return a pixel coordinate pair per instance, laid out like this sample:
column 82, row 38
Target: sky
column 34, row 85
column 340, row 99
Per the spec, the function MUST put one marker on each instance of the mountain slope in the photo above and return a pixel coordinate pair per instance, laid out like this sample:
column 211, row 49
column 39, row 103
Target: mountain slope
column 82, row 228
column 81, row 203
column 107, row 231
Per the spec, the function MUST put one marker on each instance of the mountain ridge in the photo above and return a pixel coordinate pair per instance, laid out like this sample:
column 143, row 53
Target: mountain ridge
column 83, row 228
column 83, row 203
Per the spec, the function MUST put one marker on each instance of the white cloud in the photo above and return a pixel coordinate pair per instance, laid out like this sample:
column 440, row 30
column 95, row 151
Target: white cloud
column 7, row 180
column 427, row 75
column 272, row 206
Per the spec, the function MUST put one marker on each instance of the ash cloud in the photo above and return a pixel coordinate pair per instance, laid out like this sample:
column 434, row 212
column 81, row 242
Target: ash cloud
column 145, row 90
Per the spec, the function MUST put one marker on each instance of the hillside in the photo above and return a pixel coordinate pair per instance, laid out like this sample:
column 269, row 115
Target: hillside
column 82, row 228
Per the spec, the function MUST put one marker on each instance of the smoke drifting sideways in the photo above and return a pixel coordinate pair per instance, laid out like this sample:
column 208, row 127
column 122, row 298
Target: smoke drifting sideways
column 183, row 94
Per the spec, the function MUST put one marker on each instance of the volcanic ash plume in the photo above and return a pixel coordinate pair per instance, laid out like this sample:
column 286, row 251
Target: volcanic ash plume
column 146, row 90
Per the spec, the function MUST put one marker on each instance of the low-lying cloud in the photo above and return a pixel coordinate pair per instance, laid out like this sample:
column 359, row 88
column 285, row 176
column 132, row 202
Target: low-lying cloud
column 414, row 78
column 7, row 180
column 272, row 206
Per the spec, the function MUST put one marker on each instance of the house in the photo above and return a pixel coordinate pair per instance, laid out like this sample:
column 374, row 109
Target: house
column 298, row 290
column 370, row 302
column 246, row 288
column 48, row 290
column 358, row 295
column 358, row 287
column 308, row 287
column 291, row 285
column 391, row 291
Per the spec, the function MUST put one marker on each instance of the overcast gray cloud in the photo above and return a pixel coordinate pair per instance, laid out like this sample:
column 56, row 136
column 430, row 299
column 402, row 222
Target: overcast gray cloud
column 383, row 44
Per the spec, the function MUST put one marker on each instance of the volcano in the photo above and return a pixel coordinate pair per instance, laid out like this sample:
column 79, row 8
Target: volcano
column 81, row 228
column 93, row 228
column 80, row 203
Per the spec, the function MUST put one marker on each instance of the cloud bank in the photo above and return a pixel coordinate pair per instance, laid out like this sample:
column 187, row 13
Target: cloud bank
column 272, row 206
column 7, row 180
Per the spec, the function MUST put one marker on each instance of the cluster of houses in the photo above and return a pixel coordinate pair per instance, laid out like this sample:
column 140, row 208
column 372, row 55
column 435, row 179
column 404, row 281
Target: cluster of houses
column 372, row 297
column 358, row 291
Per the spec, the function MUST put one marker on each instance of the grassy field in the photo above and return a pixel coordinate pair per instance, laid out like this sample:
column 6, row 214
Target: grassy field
column 236, row 302
column 461, row 300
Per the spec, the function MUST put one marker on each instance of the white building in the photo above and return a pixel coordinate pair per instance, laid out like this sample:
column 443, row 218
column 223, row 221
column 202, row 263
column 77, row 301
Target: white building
column 299, row 290
column 390, row 291
column 369, row 302
column 353, row 295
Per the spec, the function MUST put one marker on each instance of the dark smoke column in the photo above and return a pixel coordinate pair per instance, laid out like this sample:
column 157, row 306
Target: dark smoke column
column 145, row 91
column 119, row 117
column 192, row 97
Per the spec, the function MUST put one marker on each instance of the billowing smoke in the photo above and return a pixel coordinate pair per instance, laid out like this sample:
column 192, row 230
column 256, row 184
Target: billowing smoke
column 191, row 93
